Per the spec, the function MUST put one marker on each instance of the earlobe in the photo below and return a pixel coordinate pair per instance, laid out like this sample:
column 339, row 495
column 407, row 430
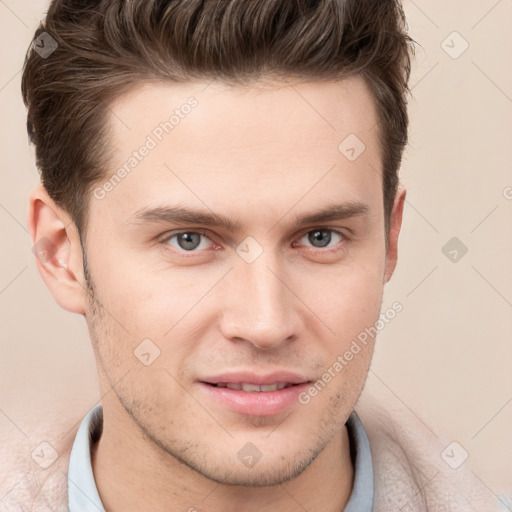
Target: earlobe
column 56, row 246
column 395, row 225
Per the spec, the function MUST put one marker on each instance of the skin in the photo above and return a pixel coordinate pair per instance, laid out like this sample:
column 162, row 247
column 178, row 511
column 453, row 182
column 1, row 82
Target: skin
column 261, row 156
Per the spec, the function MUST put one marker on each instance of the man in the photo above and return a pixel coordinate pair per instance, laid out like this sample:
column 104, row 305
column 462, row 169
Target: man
column 220, row 202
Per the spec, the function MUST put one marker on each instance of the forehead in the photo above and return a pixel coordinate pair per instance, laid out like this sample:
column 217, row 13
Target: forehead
column 313, row 111
column 269, row 140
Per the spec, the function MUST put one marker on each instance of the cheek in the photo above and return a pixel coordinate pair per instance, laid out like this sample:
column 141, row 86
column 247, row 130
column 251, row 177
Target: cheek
column 350, row 307
column 154, row 317
column 144, row 291
column 348, row 298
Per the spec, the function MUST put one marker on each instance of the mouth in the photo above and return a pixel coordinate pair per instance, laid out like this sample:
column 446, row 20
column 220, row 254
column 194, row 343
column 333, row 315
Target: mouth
column 255, row 395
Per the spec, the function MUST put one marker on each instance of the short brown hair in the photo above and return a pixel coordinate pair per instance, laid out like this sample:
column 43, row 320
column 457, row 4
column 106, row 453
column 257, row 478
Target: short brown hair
column 105, row 47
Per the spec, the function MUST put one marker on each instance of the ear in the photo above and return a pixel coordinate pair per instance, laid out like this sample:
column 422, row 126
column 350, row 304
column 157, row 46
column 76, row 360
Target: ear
column 58, row 251
column 395, row 223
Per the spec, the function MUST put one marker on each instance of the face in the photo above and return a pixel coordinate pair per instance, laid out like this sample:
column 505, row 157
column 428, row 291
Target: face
column 216, row 280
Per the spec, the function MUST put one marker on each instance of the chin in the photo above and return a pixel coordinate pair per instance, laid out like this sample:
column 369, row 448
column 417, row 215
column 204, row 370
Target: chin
column 260, row 472
column 268, row 476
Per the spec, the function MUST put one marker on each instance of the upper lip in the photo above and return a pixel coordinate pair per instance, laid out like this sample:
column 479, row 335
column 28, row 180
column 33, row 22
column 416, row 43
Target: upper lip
column 255, row 378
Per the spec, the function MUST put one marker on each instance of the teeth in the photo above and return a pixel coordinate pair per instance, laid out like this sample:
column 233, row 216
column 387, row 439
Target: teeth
column 253, row 387
column 250, row 387
column 269, row 387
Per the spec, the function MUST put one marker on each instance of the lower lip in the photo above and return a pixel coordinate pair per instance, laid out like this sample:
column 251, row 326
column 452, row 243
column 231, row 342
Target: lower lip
column 255, row 403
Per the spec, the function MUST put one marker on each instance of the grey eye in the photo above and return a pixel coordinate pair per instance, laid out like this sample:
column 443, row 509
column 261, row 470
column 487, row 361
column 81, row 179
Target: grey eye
column 186, row 240
column 321, row 238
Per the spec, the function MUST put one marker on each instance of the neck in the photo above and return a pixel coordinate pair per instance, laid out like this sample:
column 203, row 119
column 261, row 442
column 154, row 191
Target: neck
column 132, row 473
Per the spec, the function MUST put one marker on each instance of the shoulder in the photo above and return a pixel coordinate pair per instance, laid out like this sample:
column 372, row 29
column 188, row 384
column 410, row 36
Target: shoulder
column 410, row 473
column 34, row 461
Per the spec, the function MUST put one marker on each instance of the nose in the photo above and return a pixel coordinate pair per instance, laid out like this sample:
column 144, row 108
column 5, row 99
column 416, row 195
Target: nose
column 260, row 307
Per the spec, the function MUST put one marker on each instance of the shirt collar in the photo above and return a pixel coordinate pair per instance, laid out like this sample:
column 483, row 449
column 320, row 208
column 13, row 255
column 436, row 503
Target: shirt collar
column 82, row 492
column 83, row 495
column 361, row 498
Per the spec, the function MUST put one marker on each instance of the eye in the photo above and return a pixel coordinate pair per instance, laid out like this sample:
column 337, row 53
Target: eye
column 321, row 238
column 195, row 241
column 186, row 241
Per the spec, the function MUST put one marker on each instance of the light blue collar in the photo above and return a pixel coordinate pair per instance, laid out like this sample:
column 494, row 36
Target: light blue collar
column 82, row 492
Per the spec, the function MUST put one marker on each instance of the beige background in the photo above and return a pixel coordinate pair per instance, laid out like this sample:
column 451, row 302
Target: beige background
column 447, row 356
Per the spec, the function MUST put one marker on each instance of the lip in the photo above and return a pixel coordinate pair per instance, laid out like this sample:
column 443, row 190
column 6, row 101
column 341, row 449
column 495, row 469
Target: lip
column 255, row 403
column 258, row 379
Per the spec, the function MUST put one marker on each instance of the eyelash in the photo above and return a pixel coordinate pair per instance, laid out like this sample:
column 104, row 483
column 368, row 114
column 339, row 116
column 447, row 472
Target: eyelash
column 329, row 249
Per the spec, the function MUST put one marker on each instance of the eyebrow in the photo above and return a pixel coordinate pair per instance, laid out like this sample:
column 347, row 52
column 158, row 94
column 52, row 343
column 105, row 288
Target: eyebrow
column 181, row 215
